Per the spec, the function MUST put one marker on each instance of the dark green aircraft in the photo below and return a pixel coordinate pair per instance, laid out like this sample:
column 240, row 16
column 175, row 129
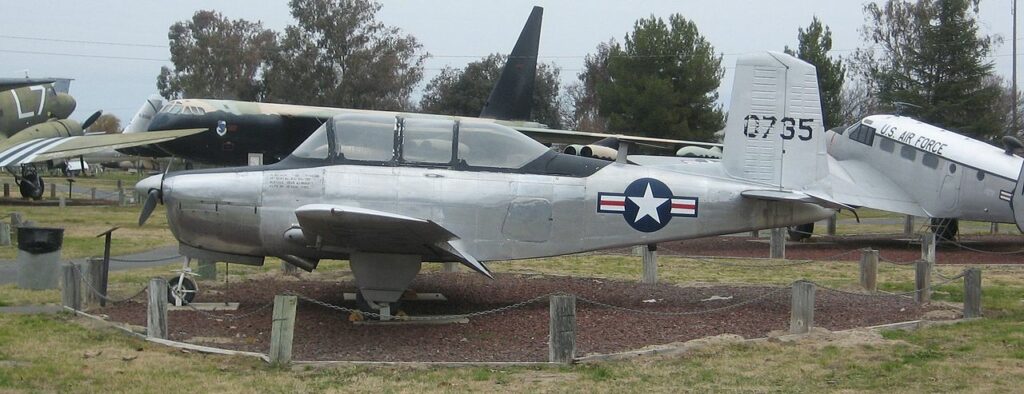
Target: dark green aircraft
column 35, row 128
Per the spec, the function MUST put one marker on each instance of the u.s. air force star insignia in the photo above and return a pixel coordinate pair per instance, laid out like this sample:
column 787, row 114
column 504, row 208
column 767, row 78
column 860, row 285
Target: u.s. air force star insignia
column 647, row 204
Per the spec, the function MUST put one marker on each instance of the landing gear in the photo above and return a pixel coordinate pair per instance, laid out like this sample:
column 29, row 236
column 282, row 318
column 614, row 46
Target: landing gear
column 945, row 229
column 182, row 289
column 30, row 184
column 801, row 232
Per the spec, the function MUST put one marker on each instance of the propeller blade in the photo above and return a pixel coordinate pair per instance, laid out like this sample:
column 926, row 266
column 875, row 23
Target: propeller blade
column 149, row 206
column 92, row 119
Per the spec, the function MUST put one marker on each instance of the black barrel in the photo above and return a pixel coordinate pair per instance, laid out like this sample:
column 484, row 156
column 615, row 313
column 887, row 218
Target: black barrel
column 39, row 240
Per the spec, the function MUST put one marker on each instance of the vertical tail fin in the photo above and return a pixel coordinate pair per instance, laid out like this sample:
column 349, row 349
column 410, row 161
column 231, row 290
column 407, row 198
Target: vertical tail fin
column 512, row 96
column 775, row 133
column 140, row 121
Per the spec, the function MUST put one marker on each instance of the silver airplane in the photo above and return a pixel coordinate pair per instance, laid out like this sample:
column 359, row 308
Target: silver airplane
column 898, row 164
column 389, row 191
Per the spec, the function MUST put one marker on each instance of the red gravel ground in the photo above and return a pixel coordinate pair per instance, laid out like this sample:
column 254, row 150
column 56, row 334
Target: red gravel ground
column 518, row 334
column 989, row 249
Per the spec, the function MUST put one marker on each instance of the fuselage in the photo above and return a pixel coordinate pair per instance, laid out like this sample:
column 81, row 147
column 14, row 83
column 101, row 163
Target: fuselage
column 947, row 174
column 553, row 204
column 26, row 106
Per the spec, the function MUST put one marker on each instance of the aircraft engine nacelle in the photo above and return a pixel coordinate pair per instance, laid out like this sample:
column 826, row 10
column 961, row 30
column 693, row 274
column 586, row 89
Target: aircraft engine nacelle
column 572, row 149
column 49, row 129
column 599, row 152
column 697, row 151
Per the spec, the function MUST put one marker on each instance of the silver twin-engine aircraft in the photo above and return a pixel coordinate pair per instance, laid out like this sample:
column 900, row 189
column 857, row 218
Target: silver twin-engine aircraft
column 389, row 191
column 899, row 164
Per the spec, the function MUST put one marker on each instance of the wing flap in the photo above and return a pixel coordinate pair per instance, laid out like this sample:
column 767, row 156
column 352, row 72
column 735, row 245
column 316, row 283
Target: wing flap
column 795, row 196
column 348, row 229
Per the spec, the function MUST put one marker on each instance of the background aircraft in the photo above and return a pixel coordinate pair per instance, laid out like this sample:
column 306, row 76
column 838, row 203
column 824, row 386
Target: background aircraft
column 898, row 164
column 388, row 191
column 237, row 128
column 34, row 127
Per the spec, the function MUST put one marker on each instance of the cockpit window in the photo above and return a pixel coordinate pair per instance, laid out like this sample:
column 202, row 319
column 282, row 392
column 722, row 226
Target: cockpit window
column 365, row 137
column 863, row 134
column 495, row 146
column 316, row 146
column 427, row 140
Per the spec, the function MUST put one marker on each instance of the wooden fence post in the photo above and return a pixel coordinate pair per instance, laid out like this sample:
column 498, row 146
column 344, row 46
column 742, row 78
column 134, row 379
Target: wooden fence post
column 832, row 224
column 777, row 248
column 562, row 329
column 289, row 269
column 92, row 193
column 7, row 189
column 908, row 225
column 53, row 191
column 5, row 234
column 94, row 281
column 928, row 247
column 450, row 267
column 755, row 234
column 922, row 281
column 869, row 269
column 71, row 291
column 282, row 329
column 972, row 293
column 650, row 268
column 207, row 270
column 801, row 317
column 156, row 310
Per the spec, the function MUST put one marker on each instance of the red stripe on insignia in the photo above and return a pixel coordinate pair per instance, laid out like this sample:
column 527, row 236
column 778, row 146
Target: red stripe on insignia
column 614, row 203
column 684, row 206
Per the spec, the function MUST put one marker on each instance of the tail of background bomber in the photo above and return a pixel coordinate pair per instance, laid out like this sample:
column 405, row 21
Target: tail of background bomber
column 775, row 133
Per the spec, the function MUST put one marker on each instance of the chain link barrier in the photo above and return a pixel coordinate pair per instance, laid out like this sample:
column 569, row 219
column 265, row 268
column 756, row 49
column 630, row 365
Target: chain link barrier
column 145, row 260
column 425, row 318
column 882, row 293
column 93, row 290
column 228, row 316
column 687, row 313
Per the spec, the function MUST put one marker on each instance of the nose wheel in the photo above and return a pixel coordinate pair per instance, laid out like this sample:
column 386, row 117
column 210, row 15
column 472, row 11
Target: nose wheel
column 182, row 289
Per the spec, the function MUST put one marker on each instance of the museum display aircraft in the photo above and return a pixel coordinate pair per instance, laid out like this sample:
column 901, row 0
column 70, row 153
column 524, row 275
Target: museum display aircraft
column 34, row 128
column 898, row 164
column 389, row 191
column 237, row 128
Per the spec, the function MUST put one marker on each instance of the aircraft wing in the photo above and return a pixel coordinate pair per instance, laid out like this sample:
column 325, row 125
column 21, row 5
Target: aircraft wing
column 797, row 196
column 348, row 229
column 14, row 83
column 858, row 184
column 43, row 149
column 548, row 136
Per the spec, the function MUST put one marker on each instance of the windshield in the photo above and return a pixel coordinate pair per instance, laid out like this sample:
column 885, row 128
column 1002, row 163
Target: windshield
column 496, row 146
column 315, row 147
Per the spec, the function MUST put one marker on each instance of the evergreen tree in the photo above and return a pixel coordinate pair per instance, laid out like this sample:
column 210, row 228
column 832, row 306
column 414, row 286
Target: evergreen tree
column 662, row 82
column 813, row 47
column 215, row 57
column 339, row 55
column 464, row 92
column 931, row 54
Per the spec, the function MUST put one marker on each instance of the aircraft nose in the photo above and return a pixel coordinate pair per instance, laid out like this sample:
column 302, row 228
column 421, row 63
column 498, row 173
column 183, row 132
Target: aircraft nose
column 150, row 183
column 65, row 106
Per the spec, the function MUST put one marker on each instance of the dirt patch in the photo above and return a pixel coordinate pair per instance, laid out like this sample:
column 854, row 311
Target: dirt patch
column 989, row 249
column 518, row 334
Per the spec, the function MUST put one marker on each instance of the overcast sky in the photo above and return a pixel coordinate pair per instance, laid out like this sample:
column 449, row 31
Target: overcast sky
column 121, row 44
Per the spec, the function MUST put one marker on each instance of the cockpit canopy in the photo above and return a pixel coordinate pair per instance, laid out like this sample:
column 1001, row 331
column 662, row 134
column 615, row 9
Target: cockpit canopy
column 419, row 140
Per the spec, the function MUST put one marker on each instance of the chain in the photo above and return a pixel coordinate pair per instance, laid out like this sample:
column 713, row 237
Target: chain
column 962, row 246
column 145, row 260
column 425, row 318
column 688, row 313
column 803, row 262
column 888, row 294
column 213, row 316
column 93, row 290
column 894, row 262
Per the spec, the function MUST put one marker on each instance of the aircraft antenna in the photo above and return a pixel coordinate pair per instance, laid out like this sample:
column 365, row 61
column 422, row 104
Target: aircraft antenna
column 901, row 105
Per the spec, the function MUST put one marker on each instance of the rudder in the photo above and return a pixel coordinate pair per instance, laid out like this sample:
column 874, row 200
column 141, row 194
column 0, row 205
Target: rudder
column 774, row 133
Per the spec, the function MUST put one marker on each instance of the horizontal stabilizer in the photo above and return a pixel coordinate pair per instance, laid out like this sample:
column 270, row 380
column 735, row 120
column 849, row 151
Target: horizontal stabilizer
column 14, row 83
column 786, row 195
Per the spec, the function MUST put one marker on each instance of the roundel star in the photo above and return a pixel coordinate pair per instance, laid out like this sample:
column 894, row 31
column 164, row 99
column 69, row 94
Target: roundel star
column 647, row 204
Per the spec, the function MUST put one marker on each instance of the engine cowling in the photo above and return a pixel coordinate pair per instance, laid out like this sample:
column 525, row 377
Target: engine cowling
column 48, row 129
column 599, row 152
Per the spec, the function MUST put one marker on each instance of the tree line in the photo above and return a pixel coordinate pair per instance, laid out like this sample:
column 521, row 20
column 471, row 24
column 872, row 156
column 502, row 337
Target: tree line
column 661, row 80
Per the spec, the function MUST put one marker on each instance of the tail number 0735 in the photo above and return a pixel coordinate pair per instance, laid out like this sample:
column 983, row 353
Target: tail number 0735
column 761, row 126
